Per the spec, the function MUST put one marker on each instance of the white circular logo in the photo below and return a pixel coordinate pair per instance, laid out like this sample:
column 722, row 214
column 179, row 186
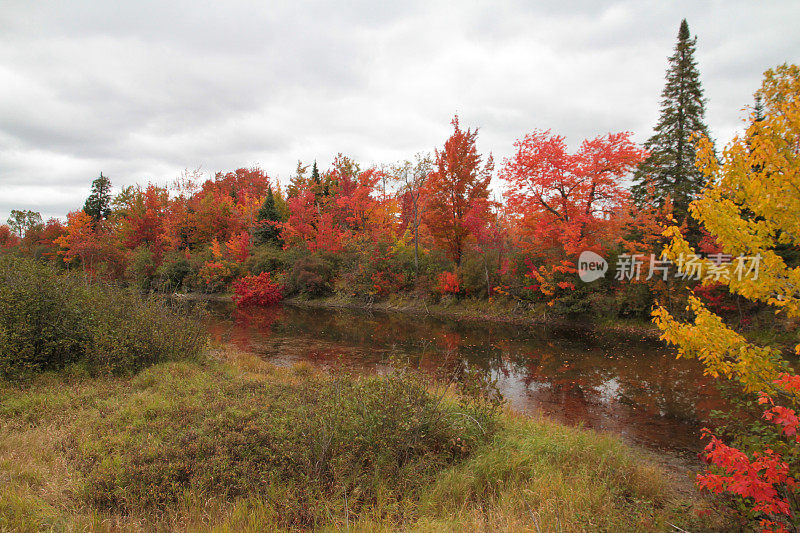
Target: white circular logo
column 591, row 266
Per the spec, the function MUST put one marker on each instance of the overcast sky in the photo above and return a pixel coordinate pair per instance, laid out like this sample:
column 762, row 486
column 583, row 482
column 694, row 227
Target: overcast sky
column 142, row 90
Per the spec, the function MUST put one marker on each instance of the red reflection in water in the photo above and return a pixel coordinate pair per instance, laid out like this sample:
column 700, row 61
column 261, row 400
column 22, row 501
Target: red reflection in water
column 246, row 325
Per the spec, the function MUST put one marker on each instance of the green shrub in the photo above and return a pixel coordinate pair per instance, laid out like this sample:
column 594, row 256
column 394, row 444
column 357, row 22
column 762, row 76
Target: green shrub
column 434, row 262
column 311, row 274
column 50, row 320
column 266, row 258
column 43, row 324
column 634, row 300
column 322, row 440
column 474, row 271
column 573, row 303
column 132, row 332
column 141, row 268
column 173, row 270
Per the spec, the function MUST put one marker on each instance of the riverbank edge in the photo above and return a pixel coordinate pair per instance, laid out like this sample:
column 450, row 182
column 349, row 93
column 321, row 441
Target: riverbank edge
column 477, row 311
column 466, row 310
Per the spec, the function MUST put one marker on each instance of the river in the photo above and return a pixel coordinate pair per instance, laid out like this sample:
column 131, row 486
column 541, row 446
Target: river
column 634, row 387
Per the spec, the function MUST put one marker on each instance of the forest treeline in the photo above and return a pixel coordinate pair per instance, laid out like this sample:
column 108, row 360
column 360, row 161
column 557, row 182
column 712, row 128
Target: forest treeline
column 428, row 227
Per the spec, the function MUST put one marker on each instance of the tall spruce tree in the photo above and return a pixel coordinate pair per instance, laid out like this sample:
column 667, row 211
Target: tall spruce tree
column 266, row 231
column 98, row 204
column 315, row 179
column 320, row 189
column 670, row 167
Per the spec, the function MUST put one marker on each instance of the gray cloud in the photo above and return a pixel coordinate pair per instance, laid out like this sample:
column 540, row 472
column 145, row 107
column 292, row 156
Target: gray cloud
column 144, row 90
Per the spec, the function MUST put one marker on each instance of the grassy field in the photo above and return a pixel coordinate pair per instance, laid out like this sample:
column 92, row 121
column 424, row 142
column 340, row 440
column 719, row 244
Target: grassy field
column 235, row 444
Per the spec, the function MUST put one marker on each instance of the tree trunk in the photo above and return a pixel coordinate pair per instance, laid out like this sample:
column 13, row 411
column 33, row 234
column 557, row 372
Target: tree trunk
column 486, row 270
column 416, row 250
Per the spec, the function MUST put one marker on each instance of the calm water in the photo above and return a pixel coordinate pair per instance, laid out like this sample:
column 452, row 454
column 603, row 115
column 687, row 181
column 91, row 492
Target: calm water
column 633, row 387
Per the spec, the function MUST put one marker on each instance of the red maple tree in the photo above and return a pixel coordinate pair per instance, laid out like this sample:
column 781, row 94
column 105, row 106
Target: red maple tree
column 563, row 203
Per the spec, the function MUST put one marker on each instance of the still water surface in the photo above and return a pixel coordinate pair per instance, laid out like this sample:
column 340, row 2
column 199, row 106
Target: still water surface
column 630, row 386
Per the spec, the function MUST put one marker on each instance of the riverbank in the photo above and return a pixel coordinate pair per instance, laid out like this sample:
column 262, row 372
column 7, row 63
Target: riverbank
column 233, row 443
column 481, row 310
column 513, row 313
column 464, row 310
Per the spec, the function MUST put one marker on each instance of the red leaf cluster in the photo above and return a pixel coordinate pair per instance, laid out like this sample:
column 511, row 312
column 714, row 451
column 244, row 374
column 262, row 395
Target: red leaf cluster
column 757, row 479
column 716, row 297
column 7, row 237
column 765, row 480
column 239, row 246
column 449, row 283
column 564, row 203
column 256, row 290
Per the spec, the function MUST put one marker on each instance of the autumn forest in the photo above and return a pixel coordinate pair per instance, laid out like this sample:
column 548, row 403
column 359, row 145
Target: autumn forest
column 689, row 245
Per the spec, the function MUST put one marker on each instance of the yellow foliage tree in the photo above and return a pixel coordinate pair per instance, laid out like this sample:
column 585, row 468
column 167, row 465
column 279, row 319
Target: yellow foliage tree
column 751, row 205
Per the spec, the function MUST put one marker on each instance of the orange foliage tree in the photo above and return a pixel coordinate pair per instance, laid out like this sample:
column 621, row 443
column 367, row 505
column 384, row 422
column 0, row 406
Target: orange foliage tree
column 80, row 241
column 457, row 190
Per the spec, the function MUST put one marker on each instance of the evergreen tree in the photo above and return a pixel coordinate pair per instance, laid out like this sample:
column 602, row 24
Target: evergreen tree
column 315, row 179
column 266, row 231
column 98, row 205
column 670, row 167
column 758, row 108
column 320, row 189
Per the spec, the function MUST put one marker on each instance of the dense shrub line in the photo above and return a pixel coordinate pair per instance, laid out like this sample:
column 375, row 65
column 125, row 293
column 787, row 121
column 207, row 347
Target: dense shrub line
column 50, row 320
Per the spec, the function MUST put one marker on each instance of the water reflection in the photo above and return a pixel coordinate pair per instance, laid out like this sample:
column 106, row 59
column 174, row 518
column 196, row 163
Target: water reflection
column 632, row 387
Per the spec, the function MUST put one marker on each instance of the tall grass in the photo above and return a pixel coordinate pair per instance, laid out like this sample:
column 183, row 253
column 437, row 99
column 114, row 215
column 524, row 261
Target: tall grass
column 50, row 320
column 240, row 445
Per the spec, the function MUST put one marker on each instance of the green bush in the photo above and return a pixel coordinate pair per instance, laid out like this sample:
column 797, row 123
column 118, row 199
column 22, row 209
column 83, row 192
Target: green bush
column 43, row 324
column 474, row 271
column 315, row 441
column 50, row 320
column 141, row 268
column 172, row 271
column 311, row 274
column 573, row 303
column 266, row 258
column 634, row 300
